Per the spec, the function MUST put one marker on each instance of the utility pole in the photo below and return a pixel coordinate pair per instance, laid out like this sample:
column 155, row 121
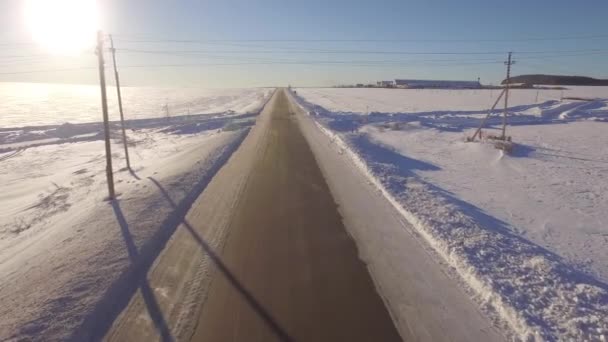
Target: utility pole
column 104, row 108
column 508, row 63
column 167, row 113
column 122, row 117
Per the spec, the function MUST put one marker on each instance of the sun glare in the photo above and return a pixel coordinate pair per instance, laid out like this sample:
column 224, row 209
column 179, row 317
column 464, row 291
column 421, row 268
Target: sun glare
column 64, row 27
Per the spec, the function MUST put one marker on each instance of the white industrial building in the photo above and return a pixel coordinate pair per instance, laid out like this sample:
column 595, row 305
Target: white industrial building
column 437, row 84
column 385, row 84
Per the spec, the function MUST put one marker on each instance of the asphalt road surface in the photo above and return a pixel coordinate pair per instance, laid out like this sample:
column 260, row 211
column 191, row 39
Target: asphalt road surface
column 262, row 255
column 295, row 272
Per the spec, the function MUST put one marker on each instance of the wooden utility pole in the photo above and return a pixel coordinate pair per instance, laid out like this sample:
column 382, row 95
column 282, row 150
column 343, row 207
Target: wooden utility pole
column 104, row 108
column 478, row 131
column 122, row 117
column 508, row 63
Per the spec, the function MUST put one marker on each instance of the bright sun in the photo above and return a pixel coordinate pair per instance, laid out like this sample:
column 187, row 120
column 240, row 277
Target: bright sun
column 64, row 27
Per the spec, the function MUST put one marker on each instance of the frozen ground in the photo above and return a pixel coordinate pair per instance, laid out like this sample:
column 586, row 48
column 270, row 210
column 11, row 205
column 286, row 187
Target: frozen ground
column 527, row 233
column 39, row 104
column 65, row 251
column 363, row 101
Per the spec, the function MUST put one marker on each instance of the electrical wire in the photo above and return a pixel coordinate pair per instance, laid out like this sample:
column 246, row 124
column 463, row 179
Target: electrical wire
column 181, row 65
column 142, row 39
column 45, row 71
column 317, row 52
column 231, row 58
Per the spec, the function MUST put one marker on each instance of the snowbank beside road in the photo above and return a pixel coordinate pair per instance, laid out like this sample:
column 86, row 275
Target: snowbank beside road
column 62, row 246
column 552, row 191
column 415, row 157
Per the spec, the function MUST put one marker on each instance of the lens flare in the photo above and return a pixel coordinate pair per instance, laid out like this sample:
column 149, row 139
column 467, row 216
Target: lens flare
column 64, row 27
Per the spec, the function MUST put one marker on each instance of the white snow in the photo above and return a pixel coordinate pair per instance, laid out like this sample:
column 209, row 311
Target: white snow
column 64, row 249
column 553, row 191
column 526, row 232
column 362, row 101
column 37, row 104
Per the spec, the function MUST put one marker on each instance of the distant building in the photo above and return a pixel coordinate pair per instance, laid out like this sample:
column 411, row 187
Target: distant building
column 437, row 84
column 385, row 84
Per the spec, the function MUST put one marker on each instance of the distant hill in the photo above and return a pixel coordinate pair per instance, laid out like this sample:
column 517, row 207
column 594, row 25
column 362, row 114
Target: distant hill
column 557, row 80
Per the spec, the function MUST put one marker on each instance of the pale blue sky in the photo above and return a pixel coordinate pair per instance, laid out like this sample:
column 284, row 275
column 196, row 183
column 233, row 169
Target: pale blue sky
column 269, row 42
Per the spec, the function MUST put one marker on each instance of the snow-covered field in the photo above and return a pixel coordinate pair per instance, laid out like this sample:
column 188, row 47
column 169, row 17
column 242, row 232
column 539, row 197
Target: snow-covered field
column 34, row 104
column 363, row 101
column 526, row 232
column 64, row 249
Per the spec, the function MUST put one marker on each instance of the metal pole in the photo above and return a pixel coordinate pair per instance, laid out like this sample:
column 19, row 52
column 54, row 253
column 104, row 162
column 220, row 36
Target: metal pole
column 104, row 108
column 122, row 117
column 504, row 116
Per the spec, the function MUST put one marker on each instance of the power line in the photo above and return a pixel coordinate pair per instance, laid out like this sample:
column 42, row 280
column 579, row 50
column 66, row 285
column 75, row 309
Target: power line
column 22, row 62
column 147, row 39
column 464, row 53
column 265, row 61
column 182, row 65
column 229, row 55
column 542, row 57
column 249, row 58
column 213, row 54
column 347, row 63
column 319, row 52
column 45, row 71
column 21, row 56
column 560, row 51
column 207, row 54
column 223, row 43
column 246, row 62
column 12, row 44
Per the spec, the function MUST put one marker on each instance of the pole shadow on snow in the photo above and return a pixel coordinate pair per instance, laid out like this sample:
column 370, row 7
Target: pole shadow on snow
column 383, row 160
column 257, row 307
column 99, row 320
column 132, row 172
column 148, row 295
